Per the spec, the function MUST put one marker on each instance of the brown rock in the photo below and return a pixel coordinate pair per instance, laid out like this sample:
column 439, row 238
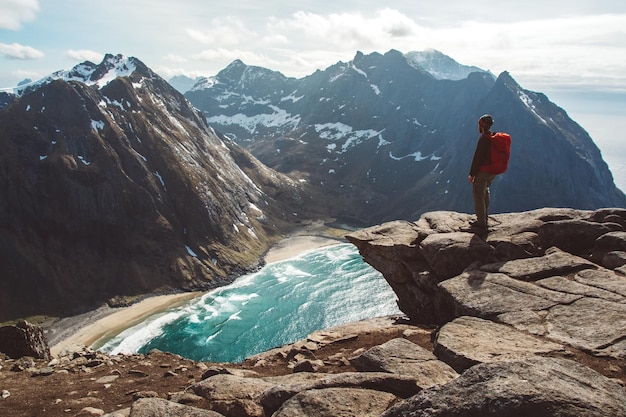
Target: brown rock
column 333, row 402
column 24, row 339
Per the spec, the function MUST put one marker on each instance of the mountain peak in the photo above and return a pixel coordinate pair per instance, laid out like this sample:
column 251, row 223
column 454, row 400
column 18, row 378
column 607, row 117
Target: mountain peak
column 111, row 67
column 439, row 65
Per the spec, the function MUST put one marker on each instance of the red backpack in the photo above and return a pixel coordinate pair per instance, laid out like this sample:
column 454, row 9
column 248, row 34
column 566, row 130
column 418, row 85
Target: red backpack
column 499, row 153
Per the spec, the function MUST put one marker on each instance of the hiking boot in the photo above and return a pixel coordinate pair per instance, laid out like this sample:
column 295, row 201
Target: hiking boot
column 477, row 225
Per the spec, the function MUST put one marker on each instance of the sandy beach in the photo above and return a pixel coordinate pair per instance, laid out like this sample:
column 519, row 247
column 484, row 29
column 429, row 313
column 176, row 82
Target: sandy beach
column 105, row 322
column 297, row 245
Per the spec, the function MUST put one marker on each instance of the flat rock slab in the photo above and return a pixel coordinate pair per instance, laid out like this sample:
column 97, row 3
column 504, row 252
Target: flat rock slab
column 403, row 357
column 604, row 279
column 402, row 386
column 233, row 395
column 581, row 287
column 467, row 341
column 336, row 402
column 555, row 262
column 159, row 407
column 486, row 295
column 535, row 387
column 558, row 308
column 578, row 325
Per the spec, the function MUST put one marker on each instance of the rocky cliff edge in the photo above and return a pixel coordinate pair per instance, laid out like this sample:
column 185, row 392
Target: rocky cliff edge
column 527, row 318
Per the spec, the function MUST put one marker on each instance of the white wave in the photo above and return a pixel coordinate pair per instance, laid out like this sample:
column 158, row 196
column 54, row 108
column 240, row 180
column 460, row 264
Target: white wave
column 134, row 338
column 213, row 336
column 234, row 316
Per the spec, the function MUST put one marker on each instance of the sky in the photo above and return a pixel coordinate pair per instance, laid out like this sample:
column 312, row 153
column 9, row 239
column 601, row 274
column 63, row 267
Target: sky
column 572, row 50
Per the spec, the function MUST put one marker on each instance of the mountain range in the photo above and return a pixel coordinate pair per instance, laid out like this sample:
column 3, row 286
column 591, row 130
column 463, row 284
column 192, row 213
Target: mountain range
column 113, row 184
column 388, row 136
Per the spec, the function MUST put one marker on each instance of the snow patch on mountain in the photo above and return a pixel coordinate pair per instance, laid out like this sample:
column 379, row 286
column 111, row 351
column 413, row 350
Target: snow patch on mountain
column 530, row 104
column 204, row 83
column 292, row 97
column 417, row 156
column 280, row 118
column 339, row 131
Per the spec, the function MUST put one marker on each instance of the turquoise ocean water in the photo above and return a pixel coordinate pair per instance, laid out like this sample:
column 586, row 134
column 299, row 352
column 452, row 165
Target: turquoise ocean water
column 282, row 303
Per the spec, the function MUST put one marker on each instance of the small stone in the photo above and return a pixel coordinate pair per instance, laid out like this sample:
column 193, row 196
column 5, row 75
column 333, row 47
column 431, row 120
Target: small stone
column 308, row 365
column 5, row 394
column 137, row 372
column 107, row 379
column 43, row 371
column 145, row 394
column 90, row 411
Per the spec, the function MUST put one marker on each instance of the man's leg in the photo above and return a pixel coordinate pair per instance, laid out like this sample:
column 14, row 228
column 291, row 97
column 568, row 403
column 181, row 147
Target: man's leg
column 480, row 191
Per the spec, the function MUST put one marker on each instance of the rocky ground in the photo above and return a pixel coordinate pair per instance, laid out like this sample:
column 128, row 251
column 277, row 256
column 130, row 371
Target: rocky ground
column 82, row 381
column 527, row 318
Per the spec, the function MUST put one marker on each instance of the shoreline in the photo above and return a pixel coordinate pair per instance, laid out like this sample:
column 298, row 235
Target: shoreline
column 106, row 322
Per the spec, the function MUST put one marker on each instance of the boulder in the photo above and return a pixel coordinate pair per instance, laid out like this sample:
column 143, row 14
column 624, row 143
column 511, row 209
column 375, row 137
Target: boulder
column 24, row 339
column 614, row 259
column 538, row 387
column 334, row 402
column 575, row 236
column 402, row 386
column 158, row 407
column 233, row 396
column 403, row 357
column 448, row 254
column 609, row 242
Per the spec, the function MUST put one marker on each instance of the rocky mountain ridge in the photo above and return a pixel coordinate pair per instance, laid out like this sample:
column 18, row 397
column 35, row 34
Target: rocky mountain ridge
column 526, row 319
column 383, row 128
column 113, row 185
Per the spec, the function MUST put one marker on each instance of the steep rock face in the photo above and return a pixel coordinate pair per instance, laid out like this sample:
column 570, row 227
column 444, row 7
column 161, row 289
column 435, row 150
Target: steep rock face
column 383, row 128
column 115, row 185
column 550, row 272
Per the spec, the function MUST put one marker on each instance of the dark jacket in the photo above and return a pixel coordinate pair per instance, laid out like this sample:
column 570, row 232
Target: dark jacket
column 481, row 154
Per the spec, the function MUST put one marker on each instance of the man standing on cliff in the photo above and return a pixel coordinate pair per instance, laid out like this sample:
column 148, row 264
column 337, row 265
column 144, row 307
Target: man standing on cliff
column 481, row 179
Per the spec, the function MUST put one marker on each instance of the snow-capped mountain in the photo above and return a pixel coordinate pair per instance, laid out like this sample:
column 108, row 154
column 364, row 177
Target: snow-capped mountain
column 439, row 65
column 392, row 136
column 111, row 67
column 112, row 184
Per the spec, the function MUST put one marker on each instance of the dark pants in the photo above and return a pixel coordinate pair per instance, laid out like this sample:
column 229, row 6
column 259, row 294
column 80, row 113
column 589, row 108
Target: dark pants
column 480, row 191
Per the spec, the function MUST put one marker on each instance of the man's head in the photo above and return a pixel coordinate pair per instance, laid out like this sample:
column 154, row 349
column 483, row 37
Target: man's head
column 484, row 123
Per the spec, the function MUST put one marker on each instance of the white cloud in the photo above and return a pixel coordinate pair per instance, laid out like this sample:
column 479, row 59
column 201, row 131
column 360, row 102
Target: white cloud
column 225, row 31
column 174, row 58
column 583, row 50
column 84, row 55
column 22, row 52
column 16, row 12
column 347, row 31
